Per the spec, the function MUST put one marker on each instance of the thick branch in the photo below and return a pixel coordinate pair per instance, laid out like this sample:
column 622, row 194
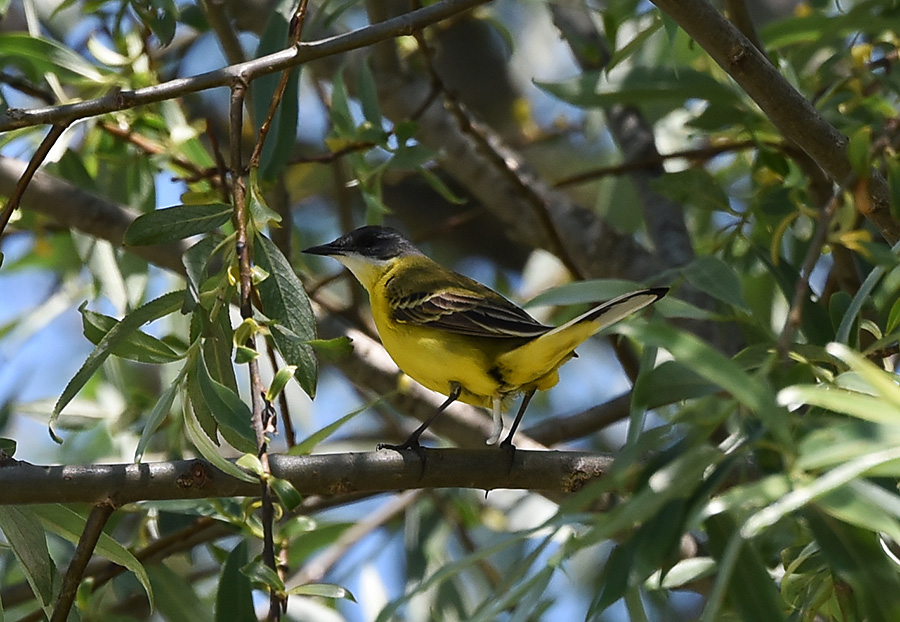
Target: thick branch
column 322, row 474
column 502, row 182
column 785, row 107
column 75, row 208
column 291, row 57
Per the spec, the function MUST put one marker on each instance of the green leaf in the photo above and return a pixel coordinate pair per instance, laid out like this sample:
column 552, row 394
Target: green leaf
column 856, row 556
column 160, row 411
column 332, row 349
column 176, row 598
column 583, row 292
column 325, row 590
column 709, row 363
column 341, row 117
column 137, row 346
column 26, row 538
column 36, row 56
column 234, row 598
column 642, row 85
column 367, row 90
column 279, row 381
column 227, row 408
column 306, row 446
column 747, row 583
column 264, row 576
column 858, row 151
column 437, row 184
column 164, row 305
column 827, row 483
column 856, row 504
column 7, row 445
column 839, row 400
column 695, row 187
column 68, row 524
column 863, row 295
column 286, row 492
column 282, row 137
column 893, row 178
column 667, row 383
column 285, row 301
column 204, row 445
column 715, row 277
column 684, row 572
column 196, row 260
column 176, row 223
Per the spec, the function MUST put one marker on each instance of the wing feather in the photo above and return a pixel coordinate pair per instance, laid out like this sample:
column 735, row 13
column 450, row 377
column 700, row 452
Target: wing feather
column 458, row 305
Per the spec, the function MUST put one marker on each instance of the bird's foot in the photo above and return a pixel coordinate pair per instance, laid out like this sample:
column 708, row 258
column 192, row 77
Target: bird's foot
column 410, row 444
column 510, row 450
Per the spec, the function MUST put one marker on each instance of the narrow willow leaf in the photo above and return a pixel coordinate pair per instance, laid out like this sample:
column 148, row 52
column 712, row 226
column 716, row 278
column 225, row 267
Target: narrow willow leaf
column 839, row 400
column 68, row 524
column 709, row 363
column 883, row 383
column 160, row 411
column 264, row 576
column 715, row 277
column 26, row 538
column 176, row 598
column 803, row 495
column 162, row 306
column 743, row 576
column 855, row 555
column 306, row 446
column 176, row 223
column 205, row 446
column 325, row 590
column 234, row 597
column 227, row 408
column 286, row 492
column 279, row 381
column 137, row 346
column 285, row 301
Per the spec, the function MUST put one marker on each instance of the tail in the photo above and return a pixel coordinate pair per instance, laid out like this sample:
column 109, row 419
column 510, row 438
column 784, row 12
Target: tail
column 541, row 356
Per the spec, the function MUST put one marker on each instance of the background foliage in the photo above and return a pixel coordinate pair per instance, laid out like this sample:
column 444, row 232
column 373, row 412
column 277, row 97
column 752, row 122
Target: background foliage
column 751, row 418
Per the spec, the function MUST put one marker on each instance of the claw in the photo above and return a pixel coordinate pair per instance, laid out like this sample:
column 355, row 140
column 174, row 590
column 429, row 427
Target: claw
column 410, row 444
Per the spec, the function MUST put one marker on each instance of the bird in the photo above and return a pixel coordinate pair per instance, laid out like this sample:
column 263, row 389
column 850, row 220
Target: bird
column 458, row 337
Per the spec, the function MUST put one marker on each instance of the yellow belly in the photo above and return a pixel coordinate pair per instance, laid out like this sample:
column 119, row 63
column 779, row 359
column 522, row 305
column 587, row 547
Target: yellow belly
column 440, row 361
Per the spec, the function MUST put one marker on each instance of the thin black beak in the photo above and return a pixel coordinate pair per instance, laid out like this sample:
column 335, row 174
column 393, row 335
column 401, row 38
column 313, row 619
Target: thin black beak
column 323, row 249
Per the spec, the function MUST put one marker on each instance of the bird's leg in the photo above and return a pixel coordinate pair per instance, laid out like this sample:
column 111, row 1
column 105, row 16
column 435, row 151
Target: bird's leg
column 413, row 441
column 507, row 444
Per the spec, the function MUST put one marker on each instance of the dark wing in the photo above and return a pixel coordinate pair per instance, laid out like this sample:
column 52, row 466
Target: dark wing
column 455, row 303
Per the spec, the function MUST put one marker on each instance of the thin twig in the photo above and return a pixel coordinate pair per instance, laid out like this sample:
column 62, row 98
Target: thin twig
column 258, row 405
column 297, row 55
column 153, row 148
column 40, row 153
column 296, row 31
column 93, row 528
column 220, row 23
column 508, row 167
column 314, row 570
column 705, row 152
column 788, row 110
column 801, row 288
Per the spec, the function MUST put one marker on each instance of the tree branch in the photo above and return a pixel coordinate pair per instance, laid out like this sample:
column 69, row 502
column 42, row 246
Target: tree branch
column 786, row 108
column 93, row 528
column 321, row 474
column 297, row 55
column 75, row 208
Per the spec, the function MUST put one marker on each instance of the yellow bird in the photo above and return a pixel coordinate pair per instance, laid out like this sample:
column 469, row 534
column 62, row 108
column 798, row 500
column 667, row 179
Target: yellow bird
column 458, row 337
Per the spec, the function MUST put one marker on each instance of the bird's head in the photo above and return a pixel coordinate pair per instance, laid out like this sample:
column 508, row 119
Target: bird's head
column 367, row 251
